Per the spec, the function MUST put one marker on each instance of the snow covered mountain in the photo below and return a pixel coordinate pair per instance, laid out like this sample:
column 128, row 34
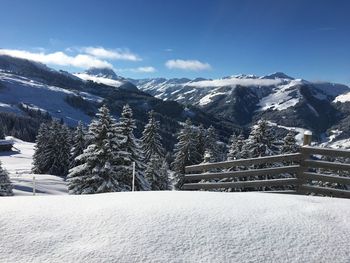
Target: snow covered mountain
column 105, row 76
column 244, row 98
column 27, row 86
column 230, row 103
column 276, row 91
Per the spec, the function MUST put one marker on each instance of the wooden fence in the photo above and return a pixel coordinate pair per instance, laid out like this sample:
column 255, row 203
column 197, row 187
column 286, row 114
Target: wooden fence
column 296, row 171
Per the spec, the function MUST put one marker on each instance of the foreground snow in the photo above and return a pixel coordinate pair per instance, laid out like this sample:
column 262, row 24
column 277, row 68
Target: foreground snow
column 19, row 164
column 175, row 227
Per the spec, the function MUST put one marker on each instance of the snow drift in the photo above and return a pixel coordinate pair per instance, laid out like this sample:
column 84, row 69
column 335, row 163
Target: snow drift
column 174, row 227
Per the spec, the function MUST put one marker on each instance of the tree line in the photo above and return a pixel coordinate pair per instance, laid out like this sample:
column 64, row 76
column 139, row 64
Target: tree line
column 99, row 158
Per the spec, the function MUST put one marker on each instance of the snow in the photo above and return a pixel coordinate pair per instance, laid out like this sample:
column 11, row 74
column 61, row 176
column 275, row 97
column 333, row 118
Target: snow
column 4, row 105
column 342, row 98
column 208, row 98
column 175, row 227
column 233, row 81
column 299, row 137
column 19, row 163
column 282, row 98
column 32, row 107
column 345, row 144
column 102, row 80
column 165, row 225
column 23, row 90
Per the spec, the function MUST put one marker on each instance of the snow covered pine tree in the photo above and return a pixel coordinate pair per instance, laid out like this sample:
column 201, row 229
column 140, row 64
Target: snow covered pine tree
column 185, row 152
column 40, row 163
column 151, row 139
column 5, row 183
column 131, row 145
column 236, row 147
column 154, row 153
column 102, row 162
column 52, row 149
column 290, row 143
column 211, row 144
column 79, row 144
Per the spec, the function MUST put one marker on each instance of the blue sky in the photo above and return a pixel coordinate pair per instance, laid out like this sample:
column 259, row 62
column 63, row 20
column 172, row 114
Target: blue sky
column 303, row 38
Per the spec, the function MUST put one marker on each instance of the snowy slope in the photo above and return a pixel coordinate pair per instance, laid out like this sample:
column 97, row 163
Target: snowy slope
column 17, row 89
column 175, row 227
column 19, row 163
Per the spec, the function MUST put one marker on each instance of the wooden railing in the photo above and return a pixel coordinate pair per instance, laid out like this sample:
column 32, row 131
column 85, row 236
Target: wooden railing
column 295, row 170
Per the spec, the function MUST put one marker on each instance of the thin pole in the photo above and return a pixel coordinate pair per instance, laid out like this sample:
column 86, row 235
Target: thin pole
column 133, row 176
column 34, row 185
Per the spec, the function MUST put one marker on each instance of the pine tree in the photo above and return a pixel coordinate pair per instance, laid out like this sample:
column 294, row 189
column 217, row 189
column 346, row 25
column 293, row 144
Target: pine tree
column 2, row 133
column 79, row 144
column 164, row 175
column 58, row 149
column 151, row 139
column 185, row 153
column 40, row 162
column 261, row 141
column 236, row 147
column 211, row 144
column 200, row 140
column 52, row 149
column 102, row 163
column 152, row 172
column 5, row 183
column 290, row 144
column 131, row 145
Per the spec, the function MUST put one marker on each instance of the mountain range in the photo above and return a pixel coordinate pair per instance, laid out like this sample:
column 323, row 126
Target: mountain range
column 30, row 85
column 231, row 103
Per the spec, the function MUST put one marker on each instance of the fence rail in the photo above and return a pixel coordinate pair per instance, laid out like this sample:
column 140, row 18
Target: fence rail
column 300, row 168
column 244, row 162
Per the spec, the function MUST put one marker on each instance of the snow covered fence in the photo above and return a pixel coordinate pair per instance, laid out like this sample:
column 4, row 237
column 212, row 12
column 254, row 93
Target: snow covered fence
column 301, row 169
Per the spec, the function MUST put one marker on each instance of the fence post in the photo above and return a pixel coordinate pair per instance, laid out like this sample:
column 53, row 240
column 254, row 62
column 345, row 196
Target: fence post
column 307, row 138
column 304, row 156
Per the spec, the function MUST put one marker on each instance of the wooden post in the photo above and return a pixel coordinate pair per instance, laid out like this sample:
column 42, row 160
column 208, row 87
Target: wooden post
column 34, row 191
column 304, row 155
column 133, row 176
column 307, row 138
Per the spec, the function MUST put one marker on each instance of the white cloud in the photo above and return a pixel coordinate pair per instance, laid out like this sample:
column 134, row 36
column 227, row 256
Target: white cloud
column 234, row 82
column 58, row 58
column 117, row 54
column 147, row 69
column 193, row 65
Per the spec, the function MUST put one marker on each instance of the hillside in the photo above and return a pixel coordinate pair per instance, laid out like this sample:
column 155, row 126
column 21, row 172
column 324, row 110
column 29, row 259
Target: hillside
column 243, row 99
column 26, row 86
column 196, row 227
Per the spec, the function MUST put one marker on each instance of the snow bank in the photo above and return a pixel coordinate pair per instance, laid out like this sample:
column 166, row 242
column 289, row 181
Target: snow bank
column 175, row 227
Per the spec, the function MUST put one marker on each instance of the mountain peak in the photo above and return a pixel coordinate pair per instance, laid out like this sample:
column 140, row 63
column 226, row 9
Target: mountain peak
column 277, row 75
column 103, row 73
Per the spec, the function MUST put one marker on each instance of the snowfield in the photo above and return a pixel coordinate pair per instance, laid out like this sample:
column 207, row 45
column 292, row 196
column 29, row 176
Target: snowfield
column 164, row 226
column 19, row 164
column 175, row 227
